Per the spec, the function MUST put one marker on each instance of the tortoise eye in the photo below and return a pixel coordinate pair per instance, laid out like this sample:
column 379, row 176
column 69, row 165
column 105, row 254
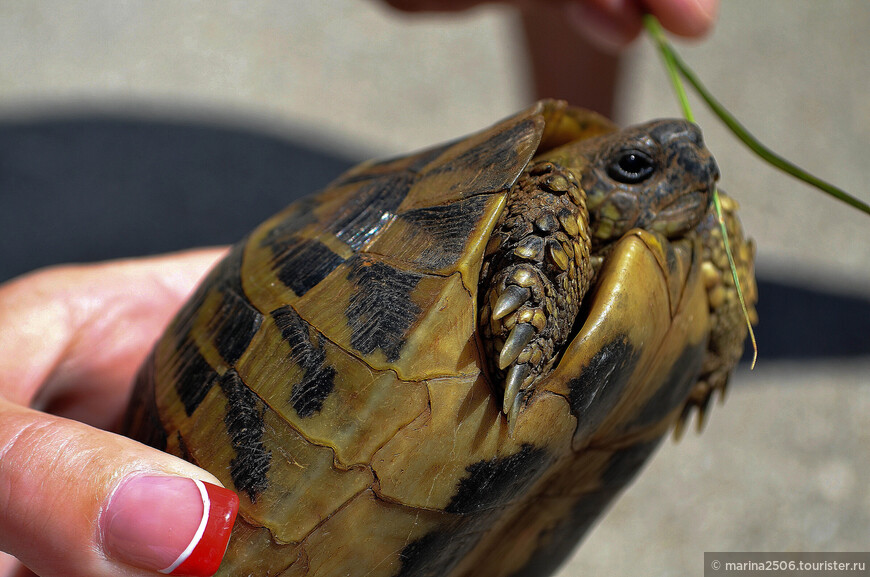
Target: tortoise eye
column 631, row 167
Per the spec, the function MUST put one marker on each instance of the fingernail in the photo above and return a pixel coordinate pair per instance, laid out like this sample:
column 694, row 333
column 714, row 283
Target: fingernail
column 708, row 8
column 174, row 525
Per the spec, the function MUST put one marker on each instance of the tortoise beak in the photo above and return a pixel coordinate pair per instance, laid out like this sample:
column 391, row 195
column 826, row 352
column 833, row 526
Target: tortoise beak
column 697, row 160
column 709, row 170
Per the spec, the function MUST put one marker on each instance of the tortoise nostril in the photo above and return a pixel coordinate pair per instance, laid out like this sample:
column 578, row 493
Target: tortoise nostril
column 676, row 130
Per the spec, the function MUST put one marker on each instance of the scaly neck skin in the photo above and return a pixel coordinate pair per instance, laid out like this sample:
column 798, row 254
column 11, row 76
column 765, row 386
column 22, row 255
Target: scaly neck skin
column 535, row 273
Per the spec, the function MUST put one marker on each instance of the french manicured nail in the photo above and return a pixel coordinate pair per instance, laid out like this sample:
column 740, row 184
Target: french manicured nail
column 174, row 525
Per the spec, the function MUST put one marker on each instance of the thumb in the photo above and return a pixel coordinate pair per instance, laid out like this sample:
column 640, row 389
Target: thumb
column 79, row 501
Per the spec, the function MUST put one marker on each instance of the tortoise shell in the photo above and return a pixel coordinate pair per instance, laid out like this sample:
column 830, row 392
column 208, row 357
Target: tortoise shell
column 336, row 369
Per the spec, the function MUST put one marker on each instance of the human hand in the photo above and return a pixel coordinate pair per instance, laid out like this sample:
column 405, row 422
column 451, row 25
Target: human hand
column 609, row 23
column 76, row 500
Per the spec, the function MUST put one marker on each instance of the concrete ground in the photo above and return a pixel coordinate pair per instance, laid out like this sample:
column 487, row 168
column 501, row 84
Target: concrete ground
column 783, row 465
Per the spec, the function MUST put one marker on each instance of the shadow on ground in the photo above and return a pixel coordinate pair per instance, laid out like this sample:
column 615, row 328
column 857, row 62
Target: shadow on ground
column 97, row 187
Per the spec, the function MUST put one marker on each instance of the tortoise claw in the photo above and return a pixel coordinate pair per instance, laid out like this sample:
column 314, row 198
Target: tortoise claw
column 512, row 414
column 514, row 381
column 510, row 300
column 519, row 337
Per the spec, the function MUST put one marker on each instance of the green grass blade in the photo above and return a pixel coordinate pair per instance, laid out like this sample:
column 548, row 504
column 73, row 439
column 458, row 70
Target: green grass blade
column 658, row 35
column 674, row 68
column 727, row 244
column 677, row 67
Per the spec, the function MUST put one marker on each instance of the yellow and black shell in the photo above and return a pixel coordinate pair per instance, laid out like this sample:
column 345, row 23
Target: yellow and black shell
column 342, row 367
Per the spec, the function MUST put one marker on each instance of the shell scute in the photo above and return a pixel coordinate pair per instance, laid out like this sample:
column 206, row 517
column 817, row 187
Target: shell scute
column 441, row 239
column 287, row 484
column 432, row 462
column 362, row 215
column 565, row 124
column 253, row 551
column 202, row 340
column 330, row 397
column 339, row 546
column 595, row 391
column 671, row 395
column 422, row 465
column 418, row 325
column 371, row 169
column 487, row 162
column 550, row 527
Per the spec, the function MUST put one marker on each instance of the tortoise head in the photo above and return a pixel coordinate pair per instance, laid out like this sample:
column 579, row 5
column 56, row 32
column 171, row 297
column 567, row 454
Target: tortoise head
column 657, row 176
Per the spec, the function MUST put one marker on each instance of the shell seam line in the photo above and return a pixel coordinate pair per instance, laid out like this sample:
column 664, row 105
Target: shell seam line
column 345, row 467
column 297, row 430
column 356, row 354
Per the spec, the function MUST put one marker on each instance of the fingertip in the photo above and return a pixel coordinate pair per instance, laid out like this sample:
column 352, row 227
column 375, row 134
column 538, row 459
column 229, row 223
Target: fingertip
column 609, row 25
column 60, row 477
column 688, row 18
column 706, row 13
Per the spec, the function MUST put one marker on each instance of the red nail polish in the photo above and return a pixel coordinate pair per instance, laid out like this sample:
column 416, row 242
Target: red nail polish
column 203, row 555
column 174, row 525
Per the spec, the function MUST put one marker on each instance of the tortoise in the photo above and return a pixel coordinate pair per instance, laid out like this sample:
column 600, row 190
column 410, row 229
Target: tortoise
column 450, row 363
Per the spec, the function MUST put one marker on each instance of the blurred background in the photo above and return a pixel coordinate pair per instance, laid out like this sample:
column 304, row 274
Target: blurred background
column 139, row 127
